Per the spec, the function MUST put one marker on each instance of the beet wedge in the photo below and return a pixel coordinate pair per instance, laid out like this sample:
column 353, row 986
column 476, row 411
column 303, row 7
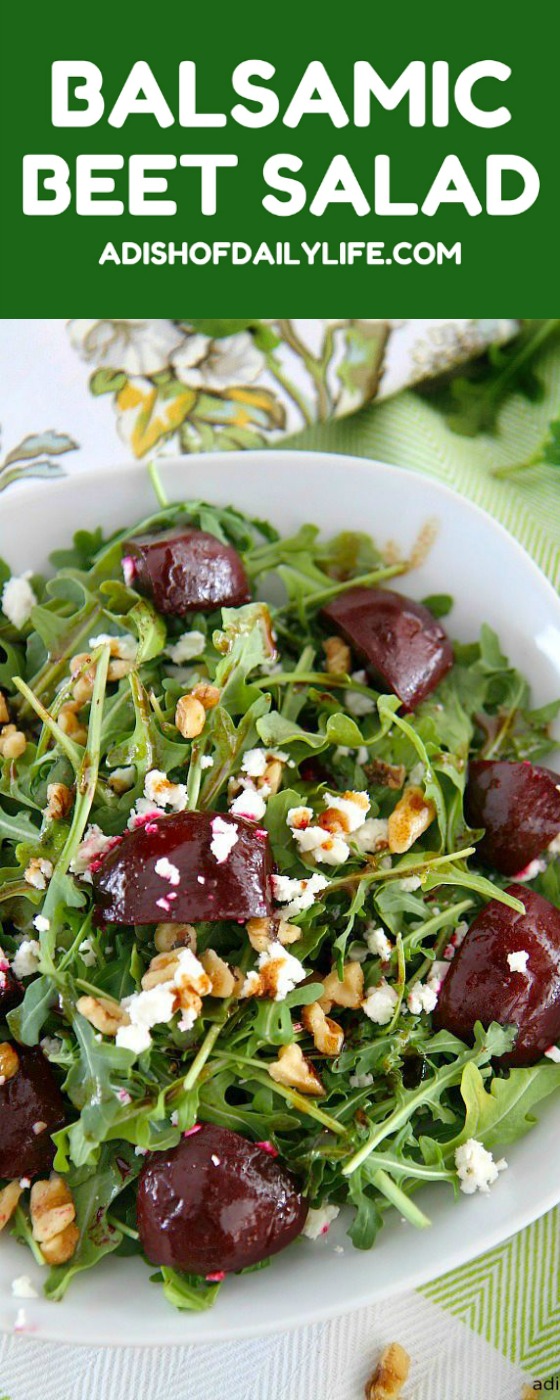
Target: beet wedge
column 216, row 1203
column 482, row 986
column 186, row 571
column 402, row 645
column 518, row 804
column 187, row 867
column 31, row 1108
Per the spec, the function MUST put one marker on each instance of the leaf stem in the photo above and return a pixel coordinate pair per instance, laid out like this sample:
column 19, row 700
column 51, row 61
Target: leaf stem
column 157, row 486
column 74, row 752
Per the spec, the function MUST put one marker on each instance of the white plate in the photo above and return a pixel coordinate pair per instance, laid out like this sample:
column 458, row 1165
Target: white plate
column 492, row 580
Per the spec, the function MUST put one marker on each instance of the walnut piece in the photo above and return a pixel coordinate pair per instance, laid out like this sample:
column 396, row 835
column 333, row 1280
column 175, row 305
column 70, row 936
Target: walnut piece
column 390, row 1374
column 12, row 742
column 209, row 695
column 221, row 976
column 349, row 992
column 59, row 801
column 4, row 711
column 9, row 1060
column 51, row 1208
column 292, row 1068
column 103, row 1013
column 190, row 716
column 328, row 1036
column 389, row 775
column 339, row 658
column 61, row 1248
column 9, row 1197
column 168, row 936
column 412, row 815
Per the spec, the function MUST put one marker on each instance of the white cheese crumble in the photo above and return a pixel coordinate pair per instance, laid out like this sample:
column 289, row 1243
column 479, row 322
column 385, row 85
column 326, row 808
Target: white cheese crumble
column 22, row 1287
column 380, row 1003
column 124, row 647
column 188, row 646
column 206, row 761
column 224, row 837
column 18, row 599
column 94, row 844
column 361, row 1081
column 421, row 998
column 353, row 806
column 167, row 871
column 319, row 1221
column 88, row 952
column 518, row 961
column 373, row 835
column 323, row 846
column 476, row 1168
column 41, row 923
column 254, row 762
column 158, row 789
column 412, row 882
column 297, row 895
column 378, row 944
column 51, row 1045
column 357, row 704
column 553, row 1053
column 288, row 970
column 249, row 804
column 26, row 959
column 145, row 1009
column 299, row 818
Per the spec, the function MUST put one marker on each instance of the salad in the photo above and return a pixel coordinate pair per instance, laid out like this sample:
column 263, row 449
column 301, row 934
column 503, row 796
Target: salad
column 280, row 899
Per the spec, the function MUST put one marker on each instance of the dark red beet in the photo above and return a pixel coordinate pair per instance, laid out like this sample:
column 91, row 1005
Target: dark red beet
column 404, row 647
column 518, row 805
column 480, row 985
column 216, row 1203
column 11, row 991
column 186, row 571
column 129, row 890
column 30, row 1097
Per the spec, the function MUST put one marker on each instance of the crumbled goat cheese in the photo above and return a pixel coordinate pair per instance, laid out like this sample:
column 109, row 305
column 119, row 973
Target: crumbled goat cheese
column 421, row 998
column 373, row 835
column 288, row 970
column 518, row 961
column 361, row 1081
column 254, row 762
column 378, row 944
column 124, row 647
column 94, row 844
column 165, row 868
column 357, row 704
column 188, row 1019
column 380, row 1003
column 476, row 1168
column 299, row 818
column 318, row 1222
column 416, row 775
column 26, row 959
column 224, row 837
column 38, row 872
column 122, row 779
column 249, row 804
column 206, row 761
column 18, row 599
column 51, row 1045
column 322, row 845
column 437, row 972
column 22, row 1287
column 186, row 648
column 146, row 1009
column 88, row 953
column 553, row 1053
column 41, row 923
column 353, row 806
column 297, row 895
column 530, row 871
column 252, row 985
column 158, row 789
column 411, row 883
column 135, row 1038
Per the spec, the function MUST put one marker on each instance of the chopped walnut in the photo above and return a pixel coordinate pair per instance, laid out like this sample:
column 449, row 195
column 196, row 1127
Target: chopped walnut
column 349, row 992
column 69, row 723
column 51, row 1208
column 9, row 1197
column 287, row 933
column 339, row 657
column 328, row 1036
column 190, row 982
column 272, row 776
column 9, row 1060
column 390, row 1374
column 12, row 742
column 389, row 775
column 59, row 801
column 168, row 936
column 4, row 711
column 190, row 716
column 103, row 1013
column 61, row 1248
column 260, row 933
column 221, row 976
column 292, row 1068
column 208, row 695
column 412, row 815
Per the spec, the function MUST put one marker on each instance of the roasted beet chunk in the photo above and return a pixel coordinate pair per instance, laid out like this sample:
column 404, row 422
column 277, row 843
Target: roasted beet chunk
column 216, row 1203
column 31, row 1108
column 186, row 571
column 482, row 986
column 11, row 991
column 403, row 647
column 194, row 865
column 518, row 805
